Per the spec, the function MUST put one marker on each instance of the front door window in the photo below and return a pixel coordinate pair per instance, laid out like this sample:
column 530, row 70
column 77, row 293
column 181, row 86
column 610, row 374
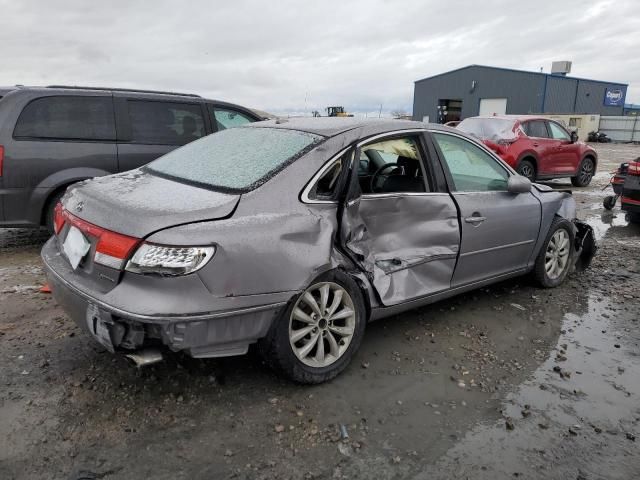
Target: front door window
column 472, row 169
column 391, row 166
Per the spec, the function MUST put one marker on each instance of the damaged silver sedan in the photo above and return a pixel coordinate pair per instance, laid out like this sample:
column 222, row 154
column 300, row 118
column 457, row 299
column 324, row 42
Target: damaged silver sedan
column 294, row 234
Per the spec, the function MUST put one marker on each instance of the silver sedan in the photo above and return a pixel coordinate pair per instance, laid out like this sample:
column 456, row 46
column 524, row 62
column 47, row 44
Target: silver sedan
column 293, row 234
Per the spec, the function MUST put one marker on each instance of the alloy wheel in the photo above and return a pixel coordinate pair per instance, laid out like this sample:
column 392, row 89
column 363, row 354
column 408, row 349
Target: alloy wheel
column 586, row 171
column 526, row 171
column 557, row 254
column 322, row 324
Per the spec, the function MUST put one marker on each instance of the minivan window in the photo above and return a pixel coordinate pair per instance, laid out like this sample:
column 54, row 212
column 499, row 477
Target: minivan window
column 165, row 123
column 67, row 118
column 236, row 160
column 229, row 118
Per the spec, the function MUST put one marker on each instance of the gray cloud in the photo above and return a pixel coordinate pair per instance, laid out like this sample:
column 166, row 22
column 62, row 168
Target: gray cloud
column 288, row 55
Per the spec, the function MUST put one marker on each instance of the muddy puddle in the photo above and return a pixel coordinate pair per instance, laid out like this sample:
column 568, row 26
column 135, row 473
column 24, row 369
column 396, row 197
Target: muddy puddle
column 576, row 417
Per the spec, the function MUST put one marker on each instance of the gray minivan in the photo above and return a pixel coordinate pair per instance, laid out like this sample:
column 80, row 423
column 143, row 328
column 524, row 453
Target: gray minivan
column 51, row 137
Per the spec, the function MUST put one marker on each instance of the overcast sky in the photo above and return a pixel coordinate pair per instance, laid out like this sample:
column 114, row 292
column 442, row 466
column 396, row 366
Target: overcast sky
column 286, row 55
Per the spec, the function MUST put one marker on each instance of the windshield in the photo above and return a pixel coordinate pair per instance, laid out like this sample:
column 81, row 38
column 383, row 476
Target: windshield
column 488, row 128
column 237, row 159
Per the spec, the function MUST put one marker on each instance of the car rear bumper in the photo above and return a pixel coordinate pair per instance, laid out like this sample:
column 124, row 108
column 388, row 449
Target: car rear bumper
column 211, row 334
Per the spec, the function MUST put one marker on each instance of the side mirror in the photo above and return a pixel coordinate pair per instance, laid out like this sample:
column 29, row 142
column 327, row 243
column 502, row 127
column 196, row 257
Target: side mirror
column 574, row 137
column 518, row 184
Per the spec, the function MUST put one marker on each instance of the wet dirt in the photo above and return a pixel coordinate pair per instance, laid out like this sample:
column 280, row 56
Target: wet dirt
column 509, row 381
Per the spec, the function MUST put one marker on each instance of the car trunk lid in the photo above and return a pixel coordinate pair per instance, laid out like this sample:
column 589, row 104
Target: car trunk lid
column 138, row 203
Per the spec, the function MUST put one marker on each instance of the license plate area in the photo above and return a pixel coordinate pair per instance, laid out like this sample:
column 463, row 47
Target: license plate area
column 75, row 246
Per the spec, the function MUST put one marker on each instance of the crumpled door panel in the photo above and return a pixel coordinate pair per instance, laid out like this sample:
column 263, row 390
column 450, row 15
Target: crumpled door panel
column 407, row 244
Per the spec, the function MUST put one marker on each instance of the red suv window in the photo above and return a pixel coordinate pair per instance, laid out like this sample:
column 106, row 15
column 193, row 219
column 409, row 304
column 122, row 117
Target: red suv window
column 536, row 129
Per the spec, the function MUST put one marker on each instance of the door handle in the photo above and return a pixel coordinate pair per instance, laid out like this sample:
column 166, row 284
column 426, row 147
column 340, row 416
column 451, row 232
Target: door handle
column 476, row 219
column 536, row 145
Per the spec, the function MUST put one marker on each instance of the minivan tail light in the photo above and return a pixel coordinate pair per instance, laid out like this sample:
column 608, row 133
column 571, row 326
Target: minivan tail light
column 1, row 159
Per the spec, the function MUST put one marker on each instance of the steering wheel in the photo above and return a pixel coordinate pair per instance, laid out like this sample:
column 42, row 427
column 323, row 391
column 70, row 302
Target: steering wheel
column 378, row 173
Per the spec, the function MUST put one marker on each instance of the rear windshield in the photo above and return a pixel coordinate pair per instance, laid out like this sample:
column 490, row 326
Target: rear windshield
column 237, row 159
column 488, row 128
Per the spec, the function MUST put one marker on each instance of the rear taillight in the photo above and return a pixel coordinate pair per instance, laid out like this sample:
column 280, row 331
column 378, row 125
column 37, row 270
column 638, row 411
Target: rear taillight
column 1, row 158
column 633, row 168
column 112, row 248
column 58, row 218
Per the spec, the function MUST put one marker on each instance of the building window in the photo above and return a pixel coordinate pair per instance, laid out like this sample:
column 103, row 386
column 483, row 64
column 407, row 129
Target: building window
column 575, row 122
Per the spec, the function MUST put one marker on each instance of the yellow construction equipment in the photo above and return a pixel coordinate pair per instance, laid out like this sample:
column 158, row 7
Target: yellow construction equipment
column 337, row 112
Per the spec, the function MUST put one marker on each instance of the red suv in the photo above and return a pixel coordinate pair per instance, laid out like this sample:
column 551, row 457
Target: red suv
column 538, row 148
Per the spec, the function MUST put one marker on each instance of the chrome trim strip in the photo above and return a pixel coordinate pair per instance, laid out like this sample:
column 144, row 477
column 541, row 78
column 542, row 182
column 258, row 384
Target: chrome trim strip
column 484, row 192
column 307, row 189
column 500, row 247
column 373, row 196
column 161, row 318
column 391, row 134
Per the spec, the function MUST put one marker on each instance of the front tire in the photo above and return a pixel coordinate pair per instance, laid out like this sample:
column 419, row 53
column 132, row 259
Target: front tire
column 319, row 331
column 585, row 173
column 555, row 257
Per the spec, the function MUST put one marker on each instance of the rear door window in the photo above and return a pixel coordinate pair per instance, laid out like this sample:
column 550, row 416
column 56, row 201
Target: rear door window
column 67, row 118
column 165, row 123
column 536, row 129
column 227, row 118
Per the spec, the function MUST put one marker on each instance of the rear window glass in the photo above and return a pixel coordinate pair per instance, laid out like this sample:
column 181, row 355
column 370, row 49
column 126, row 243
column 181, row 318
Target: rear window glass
column 67, row 118
column 237, row 159
column 165, row 123
column 489, row 128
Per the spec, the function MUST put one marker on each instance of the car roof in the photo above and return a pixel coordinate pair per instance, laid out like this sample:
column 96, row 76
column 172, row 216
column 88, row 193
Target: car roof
column 332, row 126
column 512, row 117
column 131, row 91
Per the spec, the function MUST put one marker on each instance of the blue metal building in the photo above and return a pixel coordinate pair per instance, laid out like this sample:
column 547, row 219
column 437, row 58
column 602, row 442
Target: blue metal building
column 481, row 90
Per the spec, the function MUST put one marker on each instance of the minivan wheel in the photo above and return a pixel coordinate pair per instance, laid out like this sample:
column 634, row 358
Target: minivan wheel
column 318, row 333
column 554, row 260
column 585, row 173
column 527, row 169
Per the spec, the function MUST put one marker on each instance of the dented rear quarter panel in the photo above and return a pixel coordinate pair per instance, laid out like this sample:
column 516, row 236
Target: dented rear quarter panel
column 273, row 242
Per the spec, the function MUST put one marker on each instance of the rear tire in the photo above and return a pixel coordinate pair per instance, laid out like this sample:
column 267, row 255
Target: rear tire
column 556, row 255
column 585, row 173
column 527, row 169
column 319, row 360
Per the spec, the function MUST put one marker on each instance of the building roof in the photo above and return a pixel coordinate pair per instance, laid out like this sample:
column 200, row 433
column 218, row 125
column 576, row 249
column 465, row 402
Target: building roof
column 521, row 71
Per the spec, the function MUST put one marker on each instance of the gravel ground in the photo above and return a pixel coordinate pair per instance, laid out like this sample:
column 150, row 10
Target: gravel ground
column 504, row 382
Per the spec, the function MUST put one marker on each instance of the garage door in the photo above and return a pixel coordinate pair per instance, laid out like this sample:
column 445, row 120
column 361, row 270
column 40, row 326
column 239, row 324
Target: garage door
column 493, row 106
